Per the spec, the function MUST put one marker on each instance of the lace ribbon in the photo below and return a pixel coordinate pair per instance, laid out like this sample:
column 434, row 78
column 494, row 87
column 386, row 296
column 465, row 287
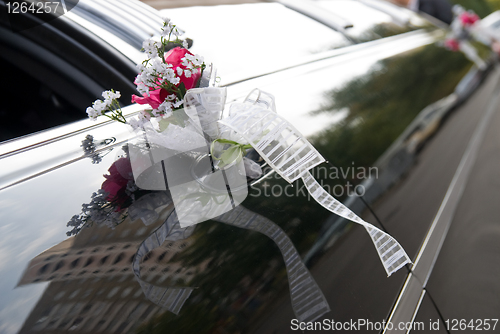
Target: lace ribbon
column 256, row 122
column 292, row 156
column 308, row 302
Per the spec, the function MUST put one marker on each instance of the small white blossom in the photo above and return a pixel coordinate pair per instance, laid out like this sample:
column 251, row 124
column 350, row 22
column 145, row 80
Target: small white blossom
column 134, row 123
column 99, row 106
column 166, row 31
column 143, row 89
column 198, row 60
column 144, row 116
column 109, row 95
column 169, row 75
column 187, row 73
column 143, row 79
column 175, row 80
column 179, row 71
column 92, row 113
column 140, row 67
column 165, row 107
column 178, row 103
column 151, row 47
column 158, row 65
column 185, row 44
column 177, row 32
column 156, row 113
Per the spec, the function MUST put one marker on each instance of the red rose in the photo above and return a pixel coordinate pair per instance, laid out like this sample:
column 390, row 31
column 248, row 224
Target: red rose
column 158, row 95
column 155, row 98
column 468, row 18
column 452, row 44
column 120, row 173
column 174, row 57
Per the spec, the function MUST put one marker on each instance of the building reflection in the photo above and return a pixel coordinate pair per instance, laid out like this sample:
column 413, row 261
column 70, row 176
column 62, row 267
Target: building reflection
column 93, row 287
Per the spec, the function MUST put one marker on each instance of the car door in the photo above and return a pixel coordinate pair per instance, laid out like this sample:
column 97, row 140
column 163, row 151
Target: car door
column 373, row 110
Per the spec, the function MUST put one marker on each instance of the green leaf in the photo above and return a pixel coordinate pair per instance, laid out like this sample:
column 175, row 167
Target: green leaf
column 182, row 89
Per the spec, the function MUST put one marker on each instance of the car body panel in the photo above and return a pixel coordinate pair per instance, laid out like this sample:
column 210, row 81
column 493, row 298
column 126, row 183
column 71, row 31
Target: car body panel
column 389, row 107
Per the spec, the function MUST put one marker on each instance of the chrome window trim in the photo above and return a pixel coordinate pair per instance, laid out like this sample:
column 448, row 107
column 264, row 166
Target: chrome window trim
column 405, row 42
column 391, row 45
column 135, row 55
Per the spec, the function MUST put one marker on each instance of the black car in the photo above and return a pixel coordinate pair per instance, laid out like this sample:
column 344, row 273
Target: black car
column 407, row 128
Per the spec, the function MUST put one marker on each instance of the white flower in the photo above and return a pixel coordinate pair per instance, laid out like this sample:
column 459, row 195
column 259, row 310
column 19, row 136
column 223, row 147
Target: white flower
column 144, row 77
column 187, row 73
column 175, row 80
column 92, row 113
column 165, row 31
column 179, row 70
column 169, row 75
column 156, row 113
column 99, row 106
column 134, row 123
column 109, row 95
column 140, row 67
column 197, row 60
column 144, row 116
column 151, row 47
column 165, row 107
column 177, row 32
column 185, row 44
column 158, row 65
column 178, row 103
column 143, row 89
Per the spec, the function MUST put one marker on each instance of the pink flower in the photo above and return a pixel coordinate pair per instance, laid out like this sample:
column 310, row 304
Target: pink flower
column 452, row 44
column 174, row 57
column 120, row 173
column 155, row 98
column 468, row 18
column 158, row 95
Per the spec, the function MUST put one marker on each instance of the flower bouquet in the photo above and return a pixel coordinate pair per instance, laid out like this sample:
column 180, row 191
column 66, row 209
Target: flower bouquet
column 184, row 144
column 462, row 31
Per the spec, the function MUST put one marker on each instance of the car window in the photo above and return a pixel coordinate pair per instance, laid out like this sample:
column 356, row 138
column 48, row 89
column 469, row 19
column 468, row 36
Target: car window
column 368, row 23
column 31, row 109
column 42, row 89
column 251, row 37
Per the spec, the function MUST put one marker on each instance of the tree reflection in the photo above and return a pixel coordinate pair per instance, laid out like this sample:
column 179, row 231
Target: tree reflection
column 381, row 105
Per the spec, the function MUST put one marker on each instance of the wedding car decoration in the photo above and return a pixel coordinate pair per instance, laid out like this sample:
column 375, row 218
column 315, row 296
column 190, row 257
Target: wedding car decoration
column 184, row 144
column 463, row 27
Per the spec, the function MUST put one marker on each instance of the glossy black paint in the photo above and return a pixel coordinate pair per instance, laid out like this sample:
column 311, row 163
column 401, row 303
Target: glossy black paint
column 390, row 108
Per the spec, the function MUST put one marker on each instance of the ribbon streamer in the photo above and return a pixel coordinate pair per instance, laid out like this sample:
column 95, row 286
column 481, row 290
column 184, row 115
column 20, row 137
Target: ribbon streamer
column 256, row 122
column 292, row 156
column 308, row 301
column 170, row 298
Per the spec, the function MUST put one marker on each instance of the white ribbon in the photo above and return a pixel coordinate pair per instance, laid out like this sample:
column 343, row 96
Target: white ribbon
column 158, row 166
column 308, row 301
column 292, row 156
